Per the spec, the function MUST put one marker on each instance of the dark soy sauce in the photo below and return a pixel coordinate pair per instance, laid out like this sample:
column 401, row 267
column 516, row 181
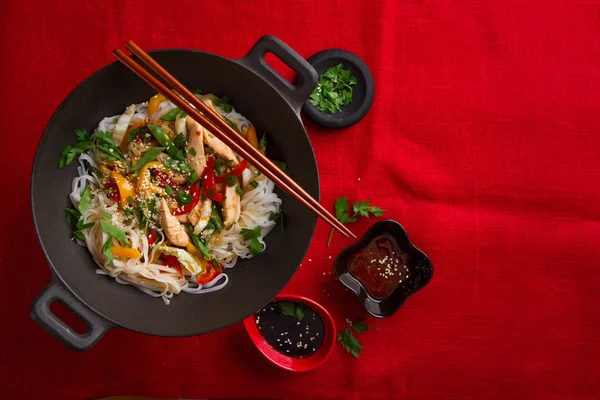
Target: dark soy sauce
column 291, row 328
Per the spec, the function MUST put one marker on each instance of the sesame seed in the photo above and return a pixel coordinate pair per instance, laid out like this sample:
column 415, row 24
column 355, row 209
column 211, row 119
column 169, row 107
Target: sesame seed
column 309, row 260
column 330, row 257
column 359, row 179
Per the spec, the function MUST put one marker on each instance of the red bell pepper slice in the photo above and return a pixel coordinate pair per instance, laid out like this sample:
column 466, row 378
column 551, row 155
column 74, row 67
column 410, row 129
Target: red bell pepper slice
column 151, row 237
column 186, row 208
column 237, row 171
column 209, row 275
column 208, row 181
column 173, row 262
column 113, row 190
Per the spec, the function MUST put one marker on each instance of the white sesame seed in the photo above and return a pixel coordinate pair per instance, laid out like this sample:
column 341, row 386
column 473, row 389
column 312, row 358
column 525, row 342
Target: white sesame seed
column 359, row 179
column 309, row 260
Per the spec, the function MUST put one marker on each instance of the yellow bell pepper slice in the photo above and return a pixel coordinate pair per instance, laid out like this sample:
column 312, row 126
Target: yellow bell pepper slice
column 125, row 252
column 126, row 189
column 154, row 102
column 251, row 136
column 145, row 187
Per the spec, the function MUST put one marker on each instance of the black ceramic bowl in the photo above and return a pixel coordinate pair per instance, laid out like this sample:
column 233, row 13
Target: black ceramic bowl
column 362, row 94
column 419, row 266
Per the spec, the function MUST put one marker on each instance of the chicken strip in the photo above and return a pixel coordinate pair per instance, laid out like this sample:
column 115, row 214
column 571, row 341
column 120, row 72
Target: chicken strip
column 173, row 229
column 231, row 206
column 200, row 215
column 195, row 146
column 220, row 148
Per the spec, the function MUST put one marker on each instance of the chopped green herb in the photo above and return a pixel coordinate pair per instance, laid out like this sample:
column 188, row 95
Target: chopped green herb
column 280, row 164
column 334, row 90
column 223, row 102
column 113, row 231
column 262, row 145
column 300, row 310
column 82, row 135
column 129, row 199
column 135, row 132
column 288, row 308
column 179, row 140
column 149, row 156
column 192, row 151
column 359, row 326
column 231, row 124
column 171, row 115
column 85, row 142
column 277, row 217
column 231, row 180
column 168, row 189
column 106, row 145
column 72, row 215
column 254, row 184
column 255, row 247
column 193, row 177
column 176, row 165
column 183, row 197
column 239, row 191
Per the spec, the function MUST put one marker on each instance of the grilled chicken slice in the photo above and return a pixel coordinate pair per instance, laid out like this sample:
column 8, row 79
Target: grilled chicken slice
column 231, row 206
column 173, row 229
column 200, row 215
column 220, row 148
column 195, row 157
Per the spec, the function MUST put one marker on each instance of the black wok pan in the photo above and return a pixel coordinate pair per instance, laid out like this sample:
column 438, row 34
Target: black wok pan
column 259, row 93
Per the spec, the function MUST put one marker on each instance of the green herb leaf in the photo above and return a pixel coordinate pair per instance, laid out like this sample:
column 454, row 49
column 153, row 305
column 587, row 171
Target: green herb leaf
column 363, row 208
column 86, row 198
column 231, row 124
column 193, row 177
column 148, row 157
column 176, row 165
column 135, row 132
column 168, row 189
column 184, row 197
column 262, row 145
column 341, row 210
column 82, row 135
column 349, row 342
column 179, row 141
column 113, row 231
column 171, row 115
column 72, row 215
column 239, row 191
column 105, row 144
column 192, row 151
column 224, row 103
column 231, row 180
column 69, row 153
column 280, row 164
column 300, row 310
column 129, row 199
column 288, row 308
column 359, row 326
column 255, row 247
column 254, row 184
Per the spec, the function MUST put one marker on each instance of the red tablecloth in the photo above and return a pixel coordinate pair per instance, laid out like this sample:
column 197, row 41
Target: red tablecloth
column 483, row 141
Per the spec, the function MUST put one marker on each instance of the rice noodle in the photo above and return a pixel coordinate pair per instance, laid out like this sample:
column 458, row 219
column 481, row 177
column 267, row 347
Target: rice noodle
column 154, row 279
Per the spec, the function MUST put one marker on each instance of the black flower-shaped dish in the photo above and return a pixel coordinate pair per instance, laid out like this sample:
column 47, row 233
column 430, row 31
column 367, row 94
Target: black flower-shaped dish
column 419, row 270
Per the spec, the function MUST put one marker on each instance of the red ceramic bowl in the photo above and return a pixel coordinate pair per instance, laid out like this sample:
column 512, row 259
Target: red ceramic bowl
column 291, row 363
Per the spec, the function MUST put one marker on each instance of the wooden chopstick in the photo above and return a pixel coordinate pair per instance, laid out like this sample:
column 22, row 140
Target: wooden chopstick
column 218, row 127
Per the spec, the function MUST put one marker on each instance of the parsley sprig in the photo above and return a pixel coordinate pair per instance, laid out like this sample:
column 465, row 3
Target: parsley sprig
column 359, row 209
column 254, row 247
column 292, row 309
column 334, row 90
column 347, row 339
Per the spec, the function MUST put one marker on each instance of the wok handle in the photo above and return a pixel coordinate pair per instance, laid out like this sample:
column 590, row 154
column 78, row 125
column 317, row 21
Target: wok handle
column 40, row 312
column 307, row 80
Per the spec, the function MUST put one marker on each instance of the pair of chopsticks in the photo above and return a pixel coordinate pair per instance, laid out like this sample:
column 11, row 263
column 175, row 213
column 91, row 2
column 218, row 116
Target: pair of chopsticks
column 218, row 127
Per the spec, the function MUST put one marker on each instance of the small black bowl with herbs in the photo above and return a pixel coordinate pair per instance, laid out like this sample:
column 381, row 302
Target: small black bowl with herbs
column 383, row 268
column 345, row 91
column 293, row 332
